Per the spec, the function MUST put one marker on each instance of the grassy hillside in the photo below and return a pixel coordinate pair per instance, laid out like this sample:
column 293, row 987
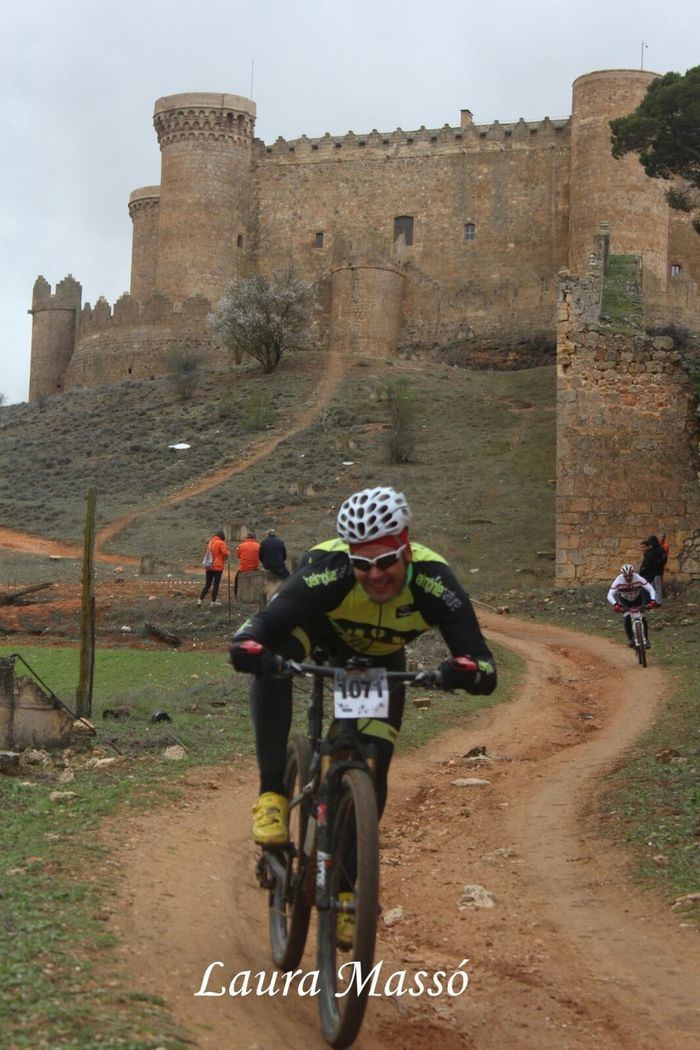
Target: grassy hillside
column 481, row 484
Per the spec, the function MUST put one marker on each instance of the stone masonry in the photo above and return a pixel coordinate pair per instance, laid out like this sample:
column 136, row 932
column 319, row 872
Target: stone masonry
column 627, row 442
column 413, row 239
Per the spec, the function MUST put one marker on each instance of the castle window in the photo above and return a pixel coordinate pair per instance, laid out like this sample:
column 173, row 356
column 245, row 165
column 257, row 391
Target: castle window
column 403, row 227
column 314, row 145
column 291, row 149
column 482, row 134
column 458, row 135
column 469, row 231
column 339, row 145
column 409, row 141
column 675, row 269
column 362, row 143
column 433, row 138
column 385, row 142
column 239, row 240
column 508, row 134
column 319, row 239
column 533, row 131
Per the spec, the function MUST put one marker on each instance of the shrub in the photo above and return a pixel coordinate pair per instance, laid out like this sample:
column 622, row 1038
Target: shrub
column 258, row 411
column 401, row 439
column 183, row 367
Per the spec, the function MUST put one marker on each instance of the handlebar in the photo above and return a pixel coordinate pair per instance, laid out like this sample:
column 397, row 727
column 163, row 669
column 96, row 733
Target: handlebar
column 427, row 679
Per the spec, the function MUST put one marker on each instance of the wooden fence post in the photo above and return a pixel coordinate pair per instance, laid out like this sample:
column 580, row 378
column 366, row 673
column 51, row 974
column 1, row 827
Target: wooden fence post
column 83, row 693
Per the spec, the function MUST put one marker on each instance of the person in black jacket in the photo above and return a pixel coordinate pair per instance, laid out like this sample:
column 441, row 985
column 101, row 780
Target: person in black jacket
column 273, row 554
column 653, row 560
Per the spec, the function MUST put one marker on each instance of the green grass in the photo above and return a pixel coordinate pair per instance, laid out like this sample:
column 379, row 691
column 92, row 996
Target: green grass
column 622, row 305
column 60, row 985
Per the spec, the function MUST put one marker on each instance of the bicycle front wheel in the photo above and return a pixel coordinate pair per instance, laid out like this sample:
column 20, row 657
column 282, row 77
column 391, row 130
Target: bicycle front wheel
column 291, row 900
column 354, row 868
column 639, row 642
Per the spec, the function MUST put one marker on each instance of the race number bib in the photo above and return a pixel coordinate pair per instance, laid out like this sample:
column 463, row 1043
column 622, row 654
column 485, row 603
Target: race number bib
column 361, row 694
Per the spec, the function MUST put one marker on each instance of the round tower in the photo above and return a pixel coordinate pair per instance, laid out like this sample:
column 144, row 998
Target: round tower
column 614, row 191
column 144, row 208
column 206, row 144
column 54, row 319
column 366, row 308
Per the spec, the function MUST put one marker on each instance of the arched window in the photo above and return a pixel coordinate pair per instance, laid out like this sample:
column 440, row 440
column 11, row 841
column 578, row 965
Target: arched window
column 469, row 231
column 403, row 227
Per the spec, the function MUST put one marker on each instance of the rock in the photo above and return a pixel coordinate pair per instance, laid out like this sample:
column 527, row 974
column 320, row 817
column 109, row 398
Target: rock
column 105, row 763
column 475, row 896
column 469, row 782
column 393, row 916
column 62, row 796
column 9, row 763
column 34, row 757
column 66, row 776
column 667, row 754
column 478, row 760
column 83, row 725
column 422, row 702
column 498, row 854
column 175, row 753
column 160, row 716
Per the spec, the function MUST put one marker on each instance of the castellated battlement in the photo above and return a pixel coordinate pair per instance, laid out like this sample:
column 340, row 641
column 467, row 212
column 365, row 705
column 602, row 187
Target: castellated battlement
column 67, row 296
column 133, row 339
column 423, row 142
column 157, row 309
column 204, row 117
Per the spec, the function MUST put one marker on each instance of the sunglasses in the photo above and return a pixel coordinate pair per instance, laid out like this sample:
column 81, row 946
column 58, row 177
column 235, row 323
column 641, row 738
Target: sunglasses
column 382, row 561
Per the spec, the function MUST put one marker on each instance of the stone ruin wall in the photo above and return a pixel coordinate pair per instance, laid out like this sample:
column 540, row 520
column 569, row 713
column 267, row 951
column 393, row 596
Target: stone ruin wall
column 627, row 444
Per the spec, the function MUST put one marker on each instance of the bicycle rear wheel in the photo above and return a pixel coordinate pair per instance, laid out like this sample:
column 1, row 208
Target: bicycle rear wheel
column 291, row 900
column 354, row 866
column 639, row 642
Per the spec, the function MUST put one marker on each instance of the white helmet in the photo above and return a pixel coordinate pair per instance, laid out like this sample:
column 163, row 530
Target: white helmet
column 627, row 570
column 371, row 514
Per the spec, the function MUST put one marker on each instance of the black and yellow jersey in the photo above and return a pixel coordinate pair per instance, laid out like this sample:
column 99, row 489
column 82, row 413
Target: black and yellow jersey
column 324, row 586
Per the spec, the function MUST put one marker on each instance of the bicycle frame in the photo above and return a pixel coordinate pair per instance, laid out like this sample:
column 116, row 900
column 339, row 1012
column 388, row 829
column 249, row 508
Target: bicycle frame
column 332, row 860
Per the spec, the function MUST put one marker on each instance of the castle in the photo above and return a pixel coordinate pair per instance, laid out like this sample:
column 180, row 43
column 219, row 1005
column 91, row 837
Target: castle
column 413, row 239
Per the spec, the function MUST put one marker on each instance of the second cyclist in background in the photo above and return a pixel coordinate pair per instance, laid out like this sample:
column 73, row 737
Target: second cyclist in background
column 629, row 590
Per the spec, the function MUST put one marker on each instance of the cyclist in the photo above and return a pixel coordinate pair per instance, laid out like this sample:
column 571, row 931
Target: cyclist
column 369, row 592
column 629, row 590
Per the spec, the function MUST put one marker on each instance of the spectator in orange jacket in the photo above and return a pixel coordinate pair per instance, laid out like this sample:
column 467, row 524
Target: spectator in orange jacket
column 248, row 554
column 219, row 554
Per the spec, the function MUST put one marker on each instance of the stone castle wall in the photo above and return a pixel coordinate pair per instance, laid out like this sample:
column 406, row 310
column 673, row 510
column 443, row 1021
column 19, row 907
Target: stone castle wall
column 133, row 340
column 321, row 201
column 627, row 444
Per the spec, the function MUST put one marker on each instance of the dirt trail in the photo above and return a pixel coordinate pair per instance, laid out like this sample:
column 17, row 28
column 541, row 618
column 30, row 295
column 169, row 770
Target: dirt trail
column 11, row 539
column 570, row 956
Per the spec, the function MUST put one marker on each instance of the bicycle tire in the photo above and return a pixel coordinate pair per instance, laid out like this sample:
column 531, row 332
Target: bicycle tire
column 639, row 643
column 291, row 901
column 355, row 826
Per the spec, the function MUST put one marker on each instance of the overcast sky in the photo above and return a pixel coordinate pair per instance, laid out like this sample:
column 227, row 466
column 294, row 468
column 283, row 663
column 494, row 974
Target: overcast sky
column 79, row 79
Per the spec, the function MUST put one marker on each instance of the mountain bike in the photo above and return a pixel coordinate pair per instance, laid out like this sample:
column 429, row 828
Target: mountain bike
column 636, row 614
column 331, row 861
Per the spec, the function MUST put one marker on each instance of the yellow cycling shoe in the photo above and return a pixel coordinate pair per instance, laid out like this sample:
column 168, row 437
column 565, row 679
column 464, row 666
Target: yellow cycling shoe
column 345, row 922
column 270, row 820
